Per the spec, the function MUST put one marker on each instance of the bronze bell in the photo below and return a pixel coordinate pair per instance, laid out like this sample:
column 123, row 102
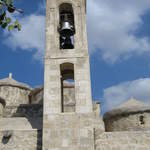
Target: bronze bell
column 66, row 28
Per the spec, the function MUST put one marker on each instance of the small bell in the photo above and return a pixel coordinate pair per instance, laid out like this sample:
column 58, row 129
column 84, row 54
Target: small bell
column 66, row 28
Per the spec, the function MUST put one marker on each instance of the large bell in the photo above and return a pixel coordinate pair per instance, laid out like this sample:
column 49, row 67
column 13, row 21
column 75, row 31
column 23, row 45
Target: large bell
column 66, row 28
column 67, row 43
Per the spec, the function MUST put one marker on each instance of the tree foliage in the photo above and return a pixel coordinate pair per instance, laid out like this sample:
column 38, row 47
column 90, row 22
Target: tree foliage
column 6, row 7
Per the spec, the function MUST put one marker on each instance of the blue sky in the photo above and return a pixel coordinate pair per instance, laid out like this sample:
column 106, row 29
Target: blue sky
column 119, row 47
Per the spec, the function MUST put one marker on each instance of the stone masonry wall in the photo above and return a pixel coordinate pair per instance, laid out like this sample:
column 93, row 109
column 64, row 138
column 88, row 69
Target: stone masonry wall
column 69, row 99
column 123, row 141
column 68, row 132
column 21, row 140
column 14, row 95
column 128, row 122
column 29, row 111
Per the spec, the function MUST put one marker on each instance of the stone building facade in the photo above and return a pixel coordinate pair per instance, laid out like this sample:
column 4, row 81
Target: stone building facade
column 131, row 116
column 61, row 115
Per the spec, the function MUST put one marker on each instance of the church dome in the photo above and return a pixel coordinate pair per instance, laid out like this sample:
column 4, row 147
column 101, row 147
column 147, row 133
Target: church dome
column 130, row 106
column 11, row 82
column 132, row 115
column 13, row 92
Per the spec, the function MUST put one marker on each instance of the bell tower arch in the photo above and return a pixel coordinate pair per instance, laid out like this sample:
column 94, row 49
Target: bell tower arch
column 66, row 58
column 66, row 26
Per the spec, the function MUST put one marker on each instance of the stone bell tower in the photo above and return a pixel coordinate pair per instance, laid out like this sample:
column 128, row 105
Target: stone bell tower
column 66, row 61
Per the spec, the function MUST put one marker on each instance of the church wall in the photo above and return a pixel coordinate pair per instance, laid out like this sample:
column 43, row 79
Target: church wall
column 20, row 123
column 14, row 96
column 139, row 140
column 29, row 111
column 21, row 140
column 68, row 132
column 69, row 99
column 128, row 122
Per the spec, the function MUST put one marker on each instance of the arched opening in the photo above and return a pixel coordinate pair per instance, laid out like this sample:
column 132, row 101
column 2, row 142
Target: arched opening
column 67, row 87
column 66, row 26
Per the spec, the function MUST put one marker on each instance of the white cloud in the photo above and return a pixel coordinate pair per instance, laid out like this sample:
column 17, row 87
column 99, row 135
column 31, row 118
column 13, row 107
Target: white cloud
column 111, row 29
column 112, row 25
column 117, row 94
column 31, row 37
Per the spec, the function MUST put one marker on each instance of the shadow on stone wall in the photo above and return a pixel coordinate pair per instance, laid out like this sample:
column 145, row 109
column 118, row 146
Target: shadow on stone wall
column 33, row 113
column 39, row 140
column 29, row 110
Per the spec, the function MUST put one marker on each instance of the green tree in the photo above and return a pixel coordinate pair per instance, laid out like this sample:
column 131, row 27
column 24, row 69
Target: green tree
column 7, row 6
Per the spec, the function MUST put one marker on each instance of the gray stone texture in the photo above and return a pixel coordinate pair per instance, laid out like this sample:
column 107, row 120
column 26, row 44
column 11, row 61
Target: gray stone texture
column 139, row 140
column 24, row 110
column 128, row 122
column 68, row 131
column 69, row 98
column 20, row 140
column 133, row 115
column 14, row 96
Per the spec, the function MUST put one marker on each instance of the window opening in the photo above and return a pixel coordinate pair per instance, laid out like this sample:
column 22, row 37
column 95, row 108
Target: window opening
column 66, row 26
column 141, row 119
column 67, row 88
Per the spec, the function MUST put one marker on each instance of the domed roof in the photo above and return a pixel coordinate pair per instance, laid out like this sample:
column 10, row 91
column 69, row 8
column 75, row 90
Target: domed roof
column 129, row 107
column 11, row 82
column 132, row 103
